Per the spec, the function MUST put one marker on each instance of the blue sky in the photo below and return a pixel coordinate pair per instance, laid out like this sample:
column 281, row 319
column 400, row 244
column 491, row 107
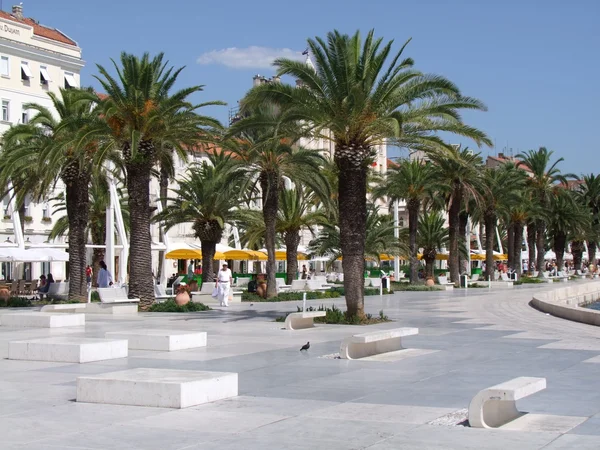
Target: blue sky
column 534, row 63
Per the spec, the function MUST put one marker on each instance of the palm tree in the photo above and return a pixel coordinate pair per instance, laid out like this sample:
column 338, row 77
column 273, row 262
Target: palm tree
column 413, row 181
column 357, row 98
column 207, row 197
column 99, row 201
column 590, row 190
column 266, row 151
column 542, row 184
column 566, row 219
column 431, row 236
column 457, row 171
column 42, row 152
column 501, row 188
column 297, row 212
column 379, row 237
column 141, row 117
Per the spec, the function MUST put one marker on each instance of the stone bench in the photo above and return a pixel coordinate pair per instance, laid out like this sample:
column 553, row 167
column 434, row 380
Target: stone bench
column 38, row 319
column 163, row 388
column 115, row 295
column 374, row 343
column 160, row 340
column 300, row 320
column 204, row 295
column 116, row 309
column 68, row 349
column 496, row 406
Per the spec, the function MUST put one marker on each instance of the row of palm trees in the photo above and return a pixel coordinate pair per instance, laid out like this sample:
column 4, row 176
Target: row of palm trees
column 356, row 92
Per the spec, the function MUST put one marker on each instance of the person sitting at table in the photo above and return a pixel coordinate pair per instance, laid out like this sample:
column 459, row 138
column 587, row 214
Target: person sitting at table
column 45, row 285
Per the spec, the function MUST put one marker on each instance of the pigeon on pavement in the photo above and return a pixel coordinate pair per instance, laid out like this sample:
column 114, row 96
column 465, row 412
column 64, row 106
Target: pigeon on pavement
column 306, row 346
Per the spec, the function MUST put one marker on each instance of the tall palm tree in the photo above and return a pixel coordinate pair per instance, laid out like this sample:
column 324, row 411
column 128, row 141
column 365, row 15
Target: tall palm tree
column 543, row 183
column 141, row 115
column 45, row 151
column 265, row 148
column 590, row 190
column 99, row 196
column 412, row 181
column 207, row 197
column 566, row 218
column 357, row 94
column 431, row 236
column 457, row 171
column 297, row 212
column 501, row 188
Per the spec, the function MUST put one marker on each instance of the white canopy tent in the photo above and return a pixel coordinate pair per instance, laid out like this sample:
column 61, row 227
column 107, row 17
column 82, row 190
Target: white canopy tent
column 14, row 254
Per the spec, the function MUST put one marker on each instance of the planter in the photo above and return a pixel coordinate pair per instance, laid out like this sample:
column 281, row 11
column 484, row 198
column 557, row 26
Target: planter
column 429, row 282
column 4, row 294
column 182, row 298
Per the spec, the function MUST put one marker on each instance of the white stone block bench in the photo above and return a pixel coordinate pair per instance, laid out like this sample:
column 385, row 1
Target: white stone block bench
column 163, row 388
column 38, row 319
column 300, row 320
column 68, row 349
column 496, row 406
column 374, row 343
column 160, row 340
column 115, row 295
column 117, row 309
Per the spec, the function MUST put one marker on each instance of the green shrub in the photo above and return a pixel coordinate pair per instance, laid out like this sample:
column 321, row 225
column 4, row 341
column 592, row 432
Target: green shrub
column 335, row 315
column 291, row 296
column 530, row 280
column 171, row 306
column 95, row 296
column 15, row 302
column 413, row 287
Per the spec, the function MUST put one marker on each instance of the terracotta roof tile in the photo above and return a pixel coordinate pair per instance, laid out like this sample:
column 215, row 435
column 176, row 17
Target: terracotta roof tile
column 40, row 30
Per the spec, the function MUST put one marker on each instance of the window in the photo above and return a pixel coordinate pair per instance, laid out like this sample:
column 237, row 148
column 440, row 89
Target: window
column 25, row 71
column 4, row 70
column 24, row 117
column 70, row 80
column 401, row 222
column 46, row 211
column 44, row 76
column 6, row 207
column 5, row 110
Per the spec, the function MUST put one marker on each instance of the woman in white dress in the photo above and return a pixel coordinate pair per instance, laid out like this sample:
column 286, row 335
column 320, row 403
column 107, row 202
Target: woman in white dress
column 224, row 278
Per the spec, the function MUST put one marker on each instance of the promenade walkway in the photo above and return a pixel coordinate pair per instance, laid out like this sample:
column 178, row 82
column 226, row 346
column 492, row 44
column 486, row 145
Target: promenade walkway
column 309, row 400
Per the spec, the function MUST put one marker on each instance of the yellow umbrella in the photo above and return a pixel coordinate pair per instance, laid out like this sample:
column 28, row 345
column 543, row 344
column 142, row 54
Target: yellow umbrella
column 243, row 255
column 190, row 253
column 438, row 257
column 281, row 255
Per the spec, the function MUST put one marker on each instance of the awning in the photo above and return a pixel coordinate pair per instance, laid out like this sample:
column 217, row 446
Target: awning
column 44, row 75
column 32, row 254
column 244, row 255
column 70, row 80
column 191, row 253
column 281, row 254
column 26, row 70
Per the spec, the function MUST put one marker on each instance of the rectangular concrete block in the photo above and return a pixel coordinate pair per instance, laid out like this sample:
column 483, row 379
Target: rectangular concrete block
column 163, row 388
column 67, row 349
column 36, row 319
column 160, row 340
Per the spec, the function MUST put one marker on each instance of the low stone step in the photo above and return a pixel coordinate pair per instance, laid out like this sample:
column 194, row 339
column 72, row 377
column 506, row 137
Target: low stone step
column 160, row 340
column 36, row 319
column 163, row 388
column 67, row 349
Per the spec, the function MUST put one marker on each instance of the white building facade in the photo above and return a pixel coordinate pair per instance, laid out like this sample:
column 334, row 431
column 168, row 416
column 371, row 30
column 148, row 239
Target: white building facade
column 34, row 60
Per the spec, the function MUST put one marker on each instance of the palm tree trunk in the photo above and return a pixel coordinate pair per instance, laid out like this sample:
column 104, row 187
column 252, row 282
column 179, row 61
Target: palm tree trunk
column 510, row 234
column 592, row 246
column 517, row 245
column 577, row 251
column 140, row 250
column 164, row 192
column 454, row 235
column 560, row 245
column 269, row 183
column 352, row 204
column 77, row 205
column 292, row 241
column 540, row 241
column 429, row 264
column 413, row 222
column 209, row 248
column 531, row 239
column 464, row 243
column 490, row 234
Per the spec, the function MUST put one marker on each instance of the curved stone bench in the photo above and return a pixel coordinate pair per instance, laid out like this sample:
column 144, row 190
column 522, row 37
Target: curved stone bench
column 497, row 405
column 300, row 320
column 374, row 343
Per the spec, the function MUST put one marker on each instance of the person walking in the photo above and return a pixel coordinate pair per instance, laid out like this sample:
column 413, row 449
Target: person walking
column 223, row 281
column 105, row 278
column 88, row 275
